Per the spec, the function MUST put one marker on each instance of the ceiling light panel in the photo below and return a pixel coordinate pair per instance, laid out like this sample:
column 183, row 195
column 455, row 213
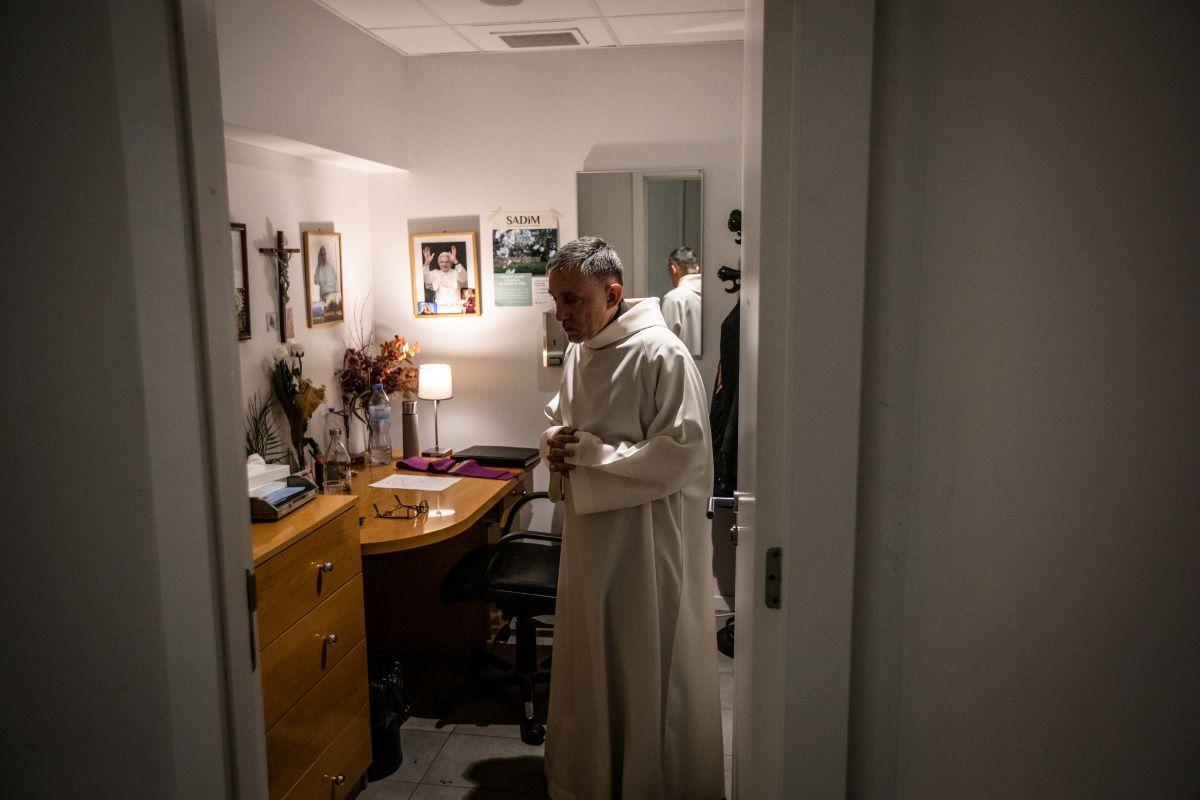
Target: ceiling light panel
column 617, row 8
column 473, row 12
column 425, row 41
column 382, row 13
column 487, row 37
column 721, row 26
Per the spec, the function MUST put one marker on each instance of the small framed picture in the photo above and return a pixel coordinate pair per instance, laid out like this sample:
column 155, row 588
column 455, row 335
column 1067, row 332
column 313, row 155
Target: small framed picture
column 445, row 275
column 241, row 279
column 323, row 297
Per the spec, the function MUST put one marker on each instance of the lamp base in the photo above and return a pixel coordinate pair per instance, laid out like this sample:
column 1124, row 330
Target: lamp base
column 433, row 452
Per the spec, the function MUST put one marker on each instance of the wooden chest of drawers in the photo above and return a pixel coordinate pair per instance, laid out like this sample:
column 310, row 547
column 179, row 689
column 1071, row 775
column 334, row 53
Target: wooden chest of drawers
column 313, row 651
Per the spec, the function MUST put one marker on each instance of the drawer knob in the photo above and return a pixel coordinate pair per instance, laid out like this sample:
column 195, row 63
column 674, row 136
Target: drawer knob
column 330, row 639
column 336, row 780
column 326, row 567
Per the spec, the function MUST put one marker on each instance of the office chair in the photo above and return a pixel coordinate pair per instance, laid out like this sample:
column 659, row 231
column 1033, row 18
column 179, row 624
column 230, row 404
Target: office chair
column 519, row 575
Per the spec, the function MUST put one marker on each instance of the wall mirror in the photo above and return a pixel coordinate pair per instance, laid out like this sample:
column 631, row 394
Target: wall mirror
column 645, row 215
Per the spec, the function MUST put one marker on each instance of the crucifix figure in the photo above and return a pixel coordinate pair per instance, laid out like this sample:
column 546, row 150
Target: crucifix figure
column 282, row 255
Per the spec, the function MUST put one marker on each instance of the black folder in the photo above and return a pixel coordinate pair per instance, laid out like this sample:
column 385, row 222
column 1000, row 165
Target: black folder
column 494, row 456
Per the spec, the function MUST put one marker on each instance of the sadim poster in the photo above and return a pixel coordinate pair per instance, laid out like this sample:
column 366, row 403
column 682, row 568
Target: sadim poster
column 522, row 245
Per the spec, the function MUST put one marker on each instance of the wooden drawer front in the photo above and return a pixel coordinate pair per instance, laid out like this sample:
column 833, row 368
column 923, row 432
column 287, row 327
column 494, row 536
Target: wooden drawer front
column 294, row 662
column 306, row 730
column 291, row 584
column 348, row 756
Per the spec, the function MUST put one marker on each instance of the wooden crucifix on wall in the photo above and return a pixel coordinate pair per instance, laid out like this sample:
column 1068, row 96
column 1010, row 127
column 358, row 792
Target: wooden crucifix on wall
column 283, row 256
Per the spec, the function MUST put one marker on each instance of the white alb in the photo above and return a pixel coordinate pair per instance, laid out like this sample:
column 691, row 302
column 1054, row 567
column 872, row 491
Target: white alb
column 681, row 310
column 634, row 700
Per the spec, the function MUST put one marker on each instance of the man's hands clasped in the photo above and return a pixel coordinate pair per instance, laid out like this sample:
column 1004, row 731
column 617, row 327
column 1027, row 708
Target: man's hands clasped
column 560, row 449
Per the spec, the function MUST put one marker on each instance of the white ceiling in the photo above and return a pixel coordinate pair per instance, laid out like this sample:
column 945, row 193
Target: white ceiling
column 426, row 27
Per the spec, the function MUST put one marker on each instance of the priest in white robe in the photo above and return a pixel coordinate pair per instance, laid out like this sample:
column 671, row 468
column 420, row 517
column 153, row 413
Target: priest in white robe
column 681, row 305
column 634, row 699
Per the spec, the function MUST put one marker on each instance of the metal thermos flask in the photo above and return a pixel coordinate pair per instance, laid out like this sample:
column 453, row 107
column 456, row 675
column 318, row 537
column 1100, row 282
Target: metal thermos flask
column 411, row 444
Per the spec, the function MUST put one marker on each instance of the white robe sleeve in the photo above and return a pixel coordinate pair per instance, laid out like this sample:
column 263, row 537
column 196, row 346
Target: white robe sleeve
column 672, row 311
column 554, row 486
column 674, row 452
column 555, row 416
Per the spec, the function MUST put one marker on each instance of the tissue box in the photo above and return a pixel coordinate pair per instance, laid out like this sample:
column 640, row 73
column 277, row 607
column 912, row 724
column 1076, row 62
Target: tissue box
column 259, row 475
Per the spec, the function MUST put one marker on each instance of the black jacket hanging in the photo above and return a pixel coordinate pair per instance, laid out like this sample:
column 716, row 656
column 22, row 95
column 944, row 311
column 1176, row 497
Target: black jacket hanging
column 723, row 414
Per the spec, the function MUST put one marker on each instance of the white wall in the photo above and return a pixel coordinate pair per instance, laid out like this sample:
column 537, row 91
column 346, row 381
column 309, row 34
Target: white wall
column 511, row 131
column 112, row 658
column 1028, row 554
column 272, row 191
column 292, row 69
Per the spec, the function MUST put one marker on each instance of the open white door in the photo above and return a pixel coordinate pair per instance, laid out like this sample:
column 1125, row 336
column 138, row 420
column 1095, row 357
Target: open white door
column 219, row 386
column 806, row 135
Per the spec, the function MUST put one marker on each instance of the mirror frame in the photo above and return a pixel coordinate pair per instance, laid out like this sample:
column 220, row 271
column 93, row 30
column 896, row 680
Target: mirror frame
column 637, row 274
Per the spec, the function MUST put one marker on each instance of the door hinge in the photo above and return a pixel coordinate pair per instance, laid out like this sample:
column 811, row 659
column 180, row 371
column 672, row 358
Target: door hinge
column 774, row 581
column 251, row 607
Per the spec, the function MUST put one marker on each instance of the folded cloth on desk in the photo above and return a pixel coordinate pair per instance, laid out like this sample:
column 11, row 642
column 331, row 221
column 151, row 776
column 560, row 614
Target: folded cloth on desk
column 465, row 469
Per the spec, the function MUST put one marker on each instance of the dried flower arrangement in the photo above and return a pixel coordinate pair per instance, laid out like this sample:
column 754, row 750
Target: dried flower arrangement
column 393, row 366
column 297, row 395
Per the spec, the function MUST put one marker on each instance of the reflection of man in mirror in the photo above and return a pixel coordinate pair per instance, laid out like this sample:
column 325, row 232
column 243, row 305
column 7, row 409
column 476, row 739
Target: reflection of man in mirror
column 446, row 280
column 325, row 276
column 681, row 305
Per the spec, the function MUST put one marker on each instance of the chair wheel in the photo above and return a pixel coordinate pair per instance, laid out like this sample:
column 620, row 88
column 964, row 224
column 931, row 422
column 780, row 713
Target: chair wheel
column 533, row 733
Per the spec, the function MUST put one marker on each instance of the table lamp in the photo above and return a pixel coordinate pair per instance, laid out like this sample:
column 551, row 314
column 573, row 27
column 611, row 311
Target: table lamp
column 434, row 383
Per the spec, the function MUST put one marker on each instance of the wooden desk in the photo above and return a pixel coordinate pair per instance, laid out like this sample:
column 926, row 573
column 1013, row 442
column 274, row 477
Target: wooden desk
column 404, row 561
column 470, row 498
column 308, row 568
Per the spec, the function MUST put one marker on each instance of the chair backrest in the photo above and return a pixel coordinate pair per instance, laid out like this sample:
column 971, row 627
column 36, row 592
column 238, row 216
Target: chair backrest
column 517, row 506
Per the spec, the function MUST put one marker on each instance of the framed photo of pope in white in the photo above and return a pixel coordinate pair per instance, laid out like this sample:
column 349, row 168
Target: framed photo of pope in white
column 323, row 278
column 445, row 275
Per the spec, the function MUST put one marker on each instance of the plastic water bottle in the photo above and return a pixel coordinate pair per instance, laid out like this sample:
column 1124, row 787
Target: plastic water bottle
column 379, row 432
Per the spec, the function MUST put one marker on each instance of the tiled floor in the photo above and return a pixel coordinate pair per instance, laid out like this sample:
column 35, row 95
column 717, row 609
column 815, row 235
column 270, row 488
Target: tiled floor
column 468, row 753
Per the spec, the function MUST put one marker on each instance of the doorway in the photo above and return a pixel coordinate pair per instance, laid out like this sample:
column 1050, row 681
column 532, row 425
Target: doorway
column 810, row 320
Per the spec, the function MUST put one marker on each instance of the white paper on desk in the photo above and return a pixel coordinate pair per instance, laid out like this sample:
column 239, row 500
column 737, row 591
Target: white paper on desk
column 417, row 482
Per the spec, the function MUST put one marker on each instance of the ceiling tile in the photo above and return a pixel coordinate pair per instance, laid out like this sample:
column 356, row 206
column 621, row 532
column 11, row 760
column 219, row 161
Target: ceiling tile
column 425, row 41
column 617, row 8
column 475, row 12
column 382, row 13
column 721, row 26
column 483, row 36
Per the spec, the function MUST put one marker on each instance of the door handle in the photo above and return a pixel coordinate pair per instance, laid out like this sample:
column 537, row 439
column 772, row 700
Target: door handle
column 721, row 502
column 727, row 502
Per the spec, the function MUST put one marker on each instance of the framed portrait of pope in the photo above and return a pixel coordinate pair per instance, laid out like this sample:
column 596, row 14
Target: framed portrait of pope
column 445, row 275
column 324, row 300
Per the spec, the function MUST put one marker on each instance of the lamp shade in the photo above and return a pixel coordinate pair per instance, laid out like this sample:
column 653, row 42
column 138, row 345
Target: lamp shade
column 433, row 382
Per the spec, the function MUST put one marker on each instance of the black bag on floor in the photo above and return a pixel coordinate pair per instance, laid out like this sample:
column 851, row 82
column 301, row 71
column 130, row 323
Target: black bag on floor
column 725, row 638
column 389, row 710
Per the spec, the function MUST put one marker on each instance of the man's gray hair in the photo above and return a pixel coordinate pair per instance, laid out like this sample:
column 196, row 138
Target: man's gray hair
column 684, row 257
column 591, row 255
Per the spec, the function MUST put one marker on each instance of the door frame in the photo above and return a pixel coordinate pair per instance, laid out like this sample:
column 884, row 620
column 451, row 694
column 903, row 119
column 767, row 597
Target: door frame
column 808, row 74
column 219, row 374
column 805, row 228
